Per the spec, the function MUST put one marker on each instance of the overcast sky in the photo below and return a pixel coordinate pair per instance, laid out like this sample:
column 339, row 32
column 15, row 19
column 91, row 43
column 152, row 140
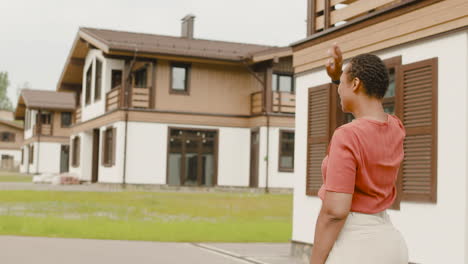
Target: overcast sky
column 36, row 35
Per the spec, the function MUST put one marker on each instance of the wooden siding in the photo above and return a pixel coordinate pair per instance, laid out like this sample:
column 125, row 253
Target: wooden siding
column 430, row 20
column 213, row 89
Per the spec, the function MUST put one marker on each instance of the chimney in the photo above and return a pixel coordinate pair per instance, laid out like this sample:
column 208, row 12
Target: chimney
column 187, row 26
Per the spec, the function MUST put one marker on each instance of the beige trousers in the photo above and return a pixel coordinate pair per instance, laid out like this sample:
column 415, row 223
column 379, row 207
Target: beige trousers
column 369, row 239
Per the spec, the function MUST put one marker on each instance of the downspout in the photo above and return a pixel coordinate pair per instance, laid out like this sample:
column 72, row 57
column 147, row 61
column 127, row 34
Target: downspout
column 264, row 83
column 39, row 122
column 124, row 177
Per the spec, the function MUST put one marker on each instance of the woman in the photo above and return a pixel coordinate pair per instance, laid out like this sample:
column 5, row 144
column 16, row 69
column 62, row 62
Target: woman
column 360, row 171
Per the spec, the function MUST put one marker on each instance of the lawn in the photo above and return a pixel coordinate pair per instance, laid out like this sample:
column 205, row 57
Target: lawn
column 195, row 217
column 14, row 177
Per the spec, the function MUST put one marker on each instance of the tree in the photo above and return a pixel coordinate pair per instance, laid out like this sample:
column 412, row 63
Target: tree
column 5, row 103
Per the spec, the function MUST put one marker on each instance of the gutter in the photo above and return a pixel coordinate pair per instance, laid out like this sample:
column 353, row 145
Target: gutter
column 124, row 175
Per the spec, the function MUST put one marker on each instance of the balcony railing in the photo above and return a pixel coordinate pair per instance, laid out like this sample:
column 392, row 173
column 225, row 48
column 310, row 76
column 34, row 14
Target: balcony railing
column 282, row 102
column 78, row 115
column 43, row 130
column 113, row 98
column 140, row 98
column 332, row 13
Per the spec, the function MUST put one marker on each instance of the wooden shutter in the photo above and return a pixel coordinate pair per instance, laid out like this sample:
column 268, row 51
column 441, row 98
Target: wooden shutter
column 114, row 144
column 318, row 135
column 103, row 149
column 417, row 108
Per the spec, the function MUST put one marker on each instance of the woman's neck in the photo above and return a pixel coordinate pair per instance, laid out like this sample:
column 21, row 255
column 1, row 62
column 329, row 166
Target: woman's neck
column 370, row 108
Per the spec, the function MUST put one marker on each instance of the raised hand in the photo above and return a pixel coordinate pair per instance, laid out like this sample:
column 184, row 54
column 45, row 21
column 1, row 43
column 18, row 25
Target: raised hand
column 335, row 63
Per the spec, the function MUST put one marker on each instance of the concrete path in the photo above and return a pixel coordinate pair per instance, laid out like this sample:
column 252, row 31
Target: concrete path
column 38, row 250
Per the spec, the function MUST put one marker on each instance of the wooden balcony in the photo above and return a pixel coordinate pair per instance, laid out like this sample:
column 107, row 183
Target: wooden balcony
column 282, row 102
column 43, row 130
column 140, row 98
column 113, row 98
column 78, row 115
column 332, row 13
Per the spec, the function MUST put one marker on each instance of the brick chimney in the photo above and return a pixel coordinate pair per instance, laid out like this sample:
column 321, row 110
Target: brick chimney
column 187, row 26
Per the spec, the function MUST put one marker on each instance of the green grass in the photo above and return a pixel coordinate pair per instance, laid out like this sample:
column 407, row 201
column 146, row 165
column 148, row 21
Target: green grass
column 14, row 177
column 195, row 217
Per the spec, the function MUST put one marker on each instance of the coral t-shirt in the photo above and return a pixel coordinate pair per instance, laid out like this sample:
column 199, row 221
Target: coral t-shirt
column 363, row 159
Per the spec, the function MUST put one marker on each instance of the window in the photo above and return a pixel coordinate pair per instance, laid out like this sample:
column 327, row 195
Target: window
column 282, row 83
column 66, row 119
column 286, row 151
column 22, row 156
column 31, row 154
column 88, row 84
column 116, row 78
column 97, row 80
column 46, row 118
column 7, row 137
column 180, row 78
column 76, row 152
column 108, row 146
column 140, row 78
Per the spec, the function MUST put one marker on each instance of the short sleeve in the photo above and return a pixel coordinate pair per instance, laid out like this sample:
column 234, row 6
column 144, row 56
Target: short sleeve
column 342, row 162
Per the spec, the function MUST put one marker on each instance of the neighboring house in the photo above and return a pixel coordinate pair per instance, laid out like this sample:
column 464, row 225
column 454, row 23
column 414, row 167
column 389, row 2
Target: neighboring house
column 424, row 44
column 7, row 115
column 179, row 110
column 11, row 140
column 47, row 117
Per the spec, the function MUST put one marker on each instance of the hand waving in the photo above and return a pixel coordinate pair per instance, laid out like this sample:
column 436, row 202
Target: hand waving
column 335, row 63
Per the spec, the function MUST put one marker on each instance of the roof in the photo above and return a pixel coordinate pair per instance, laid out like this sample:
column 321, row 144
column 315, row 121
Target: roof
column 43, row 99
column 169, row 45
column 11, row 124
column 113, row 42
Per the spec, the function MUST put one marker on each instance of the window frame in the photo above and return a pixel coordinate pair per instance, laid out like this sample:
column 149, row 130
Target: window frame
column 61, row 119
column 188, row 73
column 88, row 83
column 108, row 147
column 31, row 154
column 75, row 160
column 98, row 81
column 280, row 142
column 279, row 74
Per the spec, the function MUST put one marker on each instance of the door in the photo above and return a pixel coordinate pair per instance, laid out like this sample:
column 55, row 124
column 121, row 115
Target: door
column 95, row 161
column 191, row 159
column 64, row 158
column 254, row 152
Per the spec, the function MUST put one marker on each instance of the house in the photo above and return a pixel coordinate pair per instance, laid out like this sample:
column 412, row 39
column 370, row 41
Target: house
column 11, row 139
column 47, row 117
column 424, row 44
column 180, row 111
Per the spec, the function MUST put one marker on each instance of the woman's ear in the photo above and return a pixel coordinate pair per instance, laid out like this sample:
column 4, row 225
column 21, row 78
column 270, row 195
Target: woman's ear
column 356, row 84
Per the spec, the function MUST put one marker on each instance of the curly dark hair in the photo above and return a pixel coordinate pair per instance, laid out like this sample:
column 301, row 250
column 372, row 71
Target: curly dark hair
column 373, row 73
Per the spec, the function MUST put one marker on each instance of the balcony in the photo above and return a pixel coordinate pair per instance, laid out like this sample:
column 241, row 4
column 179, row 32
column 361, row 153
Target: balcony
column 43, row 130
column 282, row 102
column 139, row 98
column 333, row 13
column 78, row 115
column 113, row 98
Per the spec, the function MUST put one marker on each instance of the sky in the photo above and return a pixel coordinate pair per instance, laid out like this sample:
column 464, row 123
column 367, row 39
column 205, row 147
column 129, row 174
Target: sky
column 36, row 35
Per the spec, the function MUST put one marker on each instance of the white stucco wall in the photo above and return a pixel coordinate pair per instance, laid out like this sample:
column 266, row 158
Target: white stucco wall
column 83, row 170
column 15, row 153
column 276, row 179
column 234, row 157
column 47, row 157
column 97, row 108
column 435, row 233
column 146, row 153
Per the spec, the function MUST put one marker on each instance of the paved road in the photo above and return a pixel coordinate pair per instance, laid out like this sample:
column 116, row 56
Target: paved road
column 38, row 250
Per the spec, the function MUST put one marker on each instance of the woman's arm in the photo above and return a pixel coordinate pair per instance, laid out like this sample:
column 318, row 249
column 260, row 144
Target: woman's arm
column 335, row 210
